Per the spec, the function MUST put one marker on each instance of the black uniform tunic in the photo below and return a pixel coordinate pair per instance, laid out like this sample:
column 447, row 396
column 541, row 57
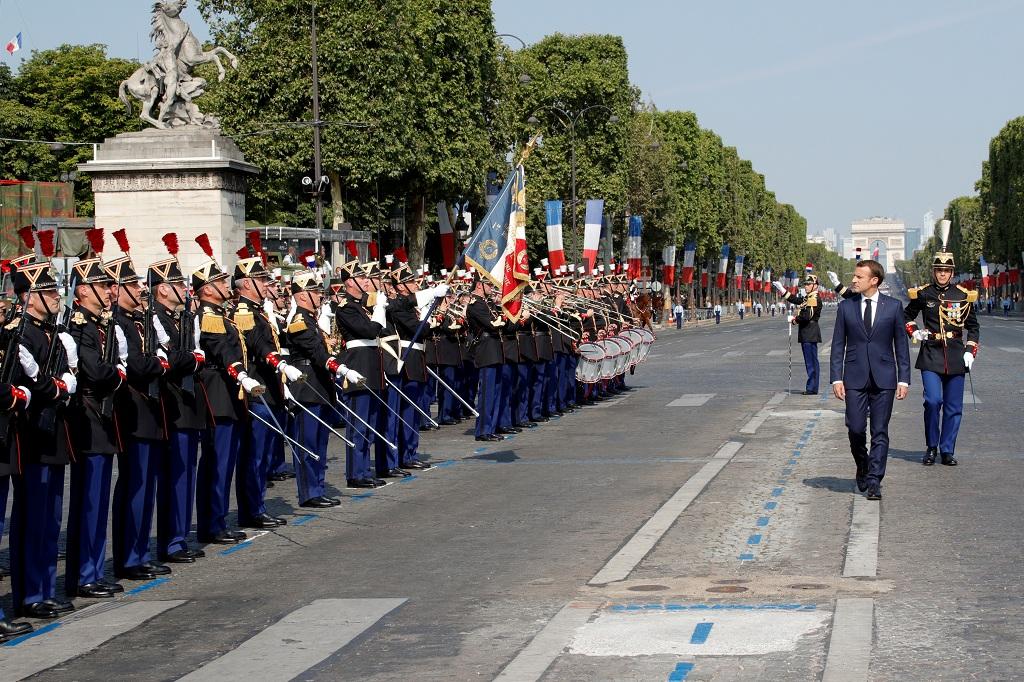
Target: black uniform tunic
column 354, row 324
column 93, row 432
column 225, row 359
column 807, row 315
column 263, row 348
column 487, row 345
column 943, row 352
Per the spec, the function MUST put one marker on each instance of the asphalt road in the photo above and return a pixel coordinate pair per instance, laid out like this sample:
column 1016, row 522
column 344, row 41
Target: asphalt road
column 702, row 526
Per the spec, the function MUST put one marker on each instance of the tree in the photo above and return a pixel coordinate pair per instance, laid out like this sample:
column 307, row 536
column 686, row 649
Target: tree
column 967, row 231
column 1002, row 193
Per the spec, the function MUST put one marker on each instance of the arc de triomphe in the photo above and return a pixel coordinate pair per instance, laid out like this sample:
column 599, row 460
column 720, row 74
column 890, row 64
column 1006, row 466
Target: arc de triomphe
column 889, row 231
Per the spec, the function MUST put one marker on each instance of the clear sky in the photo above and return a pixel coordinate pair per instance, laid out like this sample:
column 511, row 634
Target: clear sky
column 849, row 109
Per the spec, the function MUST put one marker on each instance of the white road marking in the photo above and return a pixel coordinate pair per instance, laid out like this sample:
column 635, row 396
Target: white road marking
column 733, row 354
column 862, row 549
column 643, row 541
column 298, row 641
column 692, row 355
column 734, row 633
column 849, row 649
column 531, row 663
column 762, row 416
column 691, row 400
column 777, row 353
column 79, row 634
column 1007, row 349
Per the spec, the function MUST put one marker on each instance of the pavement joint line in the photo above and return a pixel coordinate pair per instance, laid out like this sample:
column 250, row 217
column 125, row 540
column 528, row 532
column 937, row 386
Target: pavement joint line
column 849, row 647
column 862, row 547
column 535, row 658
column 643, row 541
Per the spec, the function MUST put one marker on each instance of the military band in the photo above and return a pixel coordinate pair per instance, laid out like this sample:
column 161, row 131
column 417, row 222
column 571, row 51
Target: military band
column 192, row 381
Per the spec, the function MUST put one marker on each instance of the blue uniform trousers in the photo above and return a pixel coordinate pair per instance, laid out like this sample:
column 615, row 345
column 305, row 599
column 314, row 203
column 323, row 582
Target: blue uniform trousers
column 35, row 529
column 472, row 387
column 523, row 385
column 384, row 457
column 213, row 479
column 138, row 468
column 357, row 456
column 943, row 407
column 258, row 444
column 409, row 433
column 506, row 387
column 448, row 406
column 428, row 394
column 5, row 486
column 487, row 400
column 88, row 511
column 536, row 408
column 811, row 364
column 310, row 474
column 176, row 492
column 567, row 375
column 550, row 389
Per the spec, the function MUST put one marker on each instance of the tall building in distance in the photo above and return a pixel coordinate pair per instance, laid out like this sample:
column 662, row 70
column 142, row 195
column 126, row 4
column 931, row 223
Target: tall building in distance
column 913, row 240
column 887, row 236
column 826, row 237
column 927, row 228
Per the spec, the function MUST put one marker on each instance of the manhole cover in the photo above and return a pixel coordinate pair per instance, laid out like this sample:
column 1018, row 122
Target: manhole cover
column 727, row 589
column 731, row 581
column 808, row 586
column 647, row 588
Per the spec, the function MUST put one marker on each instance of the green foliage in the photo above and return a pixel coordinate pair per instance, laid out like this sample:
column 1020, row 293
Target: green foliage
column 967, row 232
column 1002, row 194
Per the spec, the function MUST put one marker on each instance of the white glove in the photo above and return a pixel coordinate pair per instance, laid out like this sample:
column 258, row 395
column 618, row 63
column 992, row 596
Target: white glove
column 779, row 288
column 28, row 395
column 382, row 300
column 834, row 278
column 288, row 394
column 70, row 381
column 28, row 363
column 161, row 353
column 122, row 344
column 324, row 319
column 122, row 368
column 968, row 360
column 70, row 349
column 249, row 384
column 920, row 335
column 290, row 373
column 161, row 334
column 379, row 314
column 201, row 353
column 440, row 291
column 351, row 376
column 790, row 318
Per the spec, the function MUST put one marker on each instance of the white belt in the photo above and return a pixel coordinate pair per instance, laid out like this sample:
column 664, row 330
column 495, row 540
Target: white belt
column 362, row 343
column 415, row 346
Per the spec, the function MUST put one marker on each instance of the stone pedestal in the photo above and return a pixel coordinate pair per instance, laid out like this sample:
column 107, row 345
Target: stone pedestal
column 186, row 180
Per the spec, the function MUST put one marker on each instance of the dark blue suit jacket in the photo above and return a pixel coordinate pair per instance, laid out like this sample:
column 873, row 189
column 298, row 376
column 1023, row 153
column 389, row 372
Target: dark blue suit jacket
column 883, row 356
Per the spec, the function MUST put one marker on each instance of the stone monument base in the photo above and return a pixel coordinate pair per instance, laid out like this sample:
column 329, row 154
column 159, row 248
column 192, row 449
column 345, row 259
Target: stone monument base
column 185, row 180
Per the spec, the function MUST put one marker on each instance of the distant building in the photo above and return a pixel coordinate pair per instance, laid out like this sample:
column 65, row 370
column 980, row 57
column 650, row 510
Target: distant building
column 913, row 239
column 887, row 235
column 827, row 237
column 847, row 248
column 927, row 228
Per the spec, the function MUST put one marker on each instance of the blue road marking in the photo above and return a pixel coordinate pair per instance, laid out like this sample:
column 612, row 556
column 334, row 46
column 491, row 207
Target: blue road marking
column 362, row 496
column 156, row 582
column 680, row 672
column 763, row 521
column 700, row 633
column 777, row 492
column 754, row 539
column 40, row 631
column 304, row 519
column 237, row 548
column 712, row 607
column 746, row 557
column 770, row 505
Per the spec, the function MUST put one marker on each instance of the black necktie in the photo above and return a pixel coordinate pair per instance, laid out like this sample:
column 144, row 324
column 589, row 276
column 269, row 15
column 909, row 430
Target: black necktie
column 867, row 315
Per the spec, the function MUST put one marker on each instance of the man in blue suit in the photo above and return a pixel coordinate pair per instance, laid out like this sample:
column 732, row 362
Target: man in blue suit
column 870, row 364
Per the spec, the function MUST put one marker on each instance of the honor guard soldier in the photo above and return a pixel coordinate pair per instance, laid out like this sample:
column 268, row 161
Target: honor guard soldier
column 276, row 311
column 309, row 353
column 227, row 385
column 39, row 444
column 267, row 366
column 184, row 399
column 94, row 432
column 484, row 322
column 949, row 345
column 808, row 312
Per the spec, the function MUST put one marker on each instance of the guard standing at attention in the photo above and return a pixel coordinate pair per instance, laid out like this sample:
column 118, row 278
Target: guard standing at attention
column 808, row 312
column 949, row 345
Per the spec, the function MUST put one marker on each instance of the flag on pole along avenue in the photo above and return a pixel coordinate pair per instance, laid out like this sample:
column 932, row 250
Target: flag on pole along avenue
column 445, row 219
column 556, row 253
column 592, row 232
column 606, row 246
column 634, row 257
column 486, row 249
column 984, row 272
column 517, row 266
column 723, row 265
column 738, row 271
column 689, row 252
column 668, row 256
column 14, row 44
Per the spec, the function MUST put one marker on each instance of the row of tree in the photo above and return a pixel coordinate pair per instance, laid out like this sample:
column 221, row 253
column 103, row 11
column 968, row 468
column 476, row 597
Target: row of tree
column 420, row 99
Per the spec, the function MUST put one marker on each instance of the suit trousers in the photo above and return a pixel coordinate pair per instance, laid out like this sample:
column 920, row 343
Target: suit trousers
column 310, row 474
column 409, row 432
column 859, row 402
column 258, row 445
column 88, row 511
column 357, row 455
column 505, row 391
column 448, row 406
column 811, row 365
column 388, row 424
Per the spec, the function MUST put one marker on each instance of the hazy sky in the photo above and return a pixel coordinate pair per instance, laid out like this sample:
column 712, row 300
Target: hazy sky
column 849, row 109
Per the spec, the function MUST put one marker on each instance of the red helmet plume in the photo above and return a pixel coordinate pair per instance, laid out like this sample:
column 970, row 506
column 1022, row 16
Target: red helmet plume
column 204, row 243
column 121, row 237
column 95, row 237
column 28, row 236
column 243, row 252
column 171, row 242
column 46, row 244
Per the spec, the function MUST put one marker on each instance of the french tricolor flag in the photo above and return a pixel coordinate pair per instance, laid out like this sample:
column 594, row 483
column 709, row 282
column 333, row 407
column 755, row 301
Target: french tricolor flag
column 985, row 280
column 723, row 266
column 634, row 257
column 766, row 280
column 738, row 272
column 592, row 232
column 689, row 252
column 556, row 253
column 444, row 222
column 14, row 44
column 668, row 256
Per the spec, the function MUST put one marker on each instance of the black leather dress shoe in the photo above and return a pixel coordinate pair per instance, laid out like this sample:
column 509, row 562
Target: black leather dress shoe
column 360, row 483
column 9, row 630
column 335, row 501
column 236, row 534
column 874, row 492
column 196, row 553
column 929, row 456
column 38, row 610
column 948, row 459
column 417, row 465
column 157, row 568
column 116, row 588
column 862, row 484
column 491, row 437
column 448, row 422
column 182, row 556
column 527, row 425
column 270, row 484
column 220, row 539
column 263, row 521
column 396, row 473
column 134, row 573
column 809, row 393
column 93, row 591
column 283, row 476
column 280, row 520
column 316, row 503
column 59, row 606
column 543, row 419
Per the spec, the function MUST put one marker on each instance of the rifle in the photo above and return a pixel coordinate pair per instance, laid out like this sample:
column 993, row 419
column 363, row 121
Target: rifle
column 55, row 357
column 149, row 340
column 110, row 357
column 185, row 332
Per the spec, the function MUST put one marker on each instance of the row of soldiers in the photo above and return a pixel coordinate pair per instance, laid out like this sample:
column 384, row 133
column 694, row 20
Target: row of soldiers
column 190, row 382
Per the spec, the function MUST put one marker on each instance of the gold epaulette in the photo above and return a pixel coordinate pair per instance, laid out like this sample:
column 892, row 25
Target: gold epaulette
column 298, row 325
column 812, row 300
column 13, row 324
column 212, row 323
column 78, row 318
column 243, row 318
column 972, row 296
column 912, row 293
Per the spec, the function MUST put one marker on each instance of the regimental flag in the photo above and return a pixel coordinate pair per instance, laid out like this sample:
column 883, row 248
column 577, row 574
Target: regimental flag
column 486, row 249
column 723, row 266
column 445, row 220
column 689, row 252
column 738, row 272
column 14, row 44
column 634, row 255
column 592, row 232
column 984, row 272
column 556, row 253
column 517, row 266
column 668, row 256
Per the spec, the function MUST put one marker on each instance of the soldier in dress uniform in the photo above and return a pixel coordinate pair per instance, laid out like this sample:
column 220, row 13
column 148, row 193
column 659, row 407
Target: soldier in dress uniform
column 228, row 384
column 185, row 406
column 949, row 345
column 39, row 446
column 510, row 388
column 808, row 312
column 276, row 310
column 485, row 321
column 269, row 367
column 447, row 359
column 94, row 432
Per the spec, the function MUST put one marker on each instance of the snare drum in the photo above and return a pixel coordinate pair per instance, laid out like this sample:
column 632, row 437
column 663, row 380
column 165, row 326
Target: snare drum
column 588, row 370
